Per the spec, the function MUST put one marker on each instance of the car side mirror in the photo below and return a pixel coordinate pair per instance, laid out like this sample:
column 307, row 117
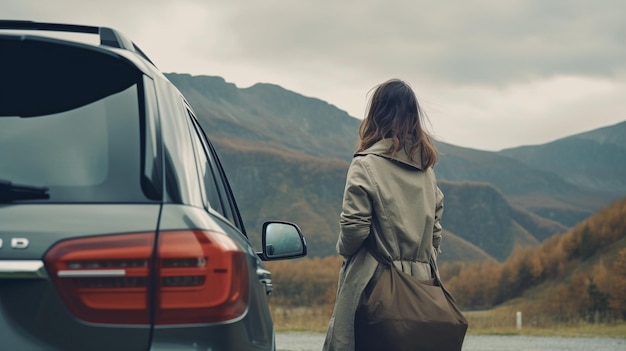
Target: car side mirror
column 282, row 240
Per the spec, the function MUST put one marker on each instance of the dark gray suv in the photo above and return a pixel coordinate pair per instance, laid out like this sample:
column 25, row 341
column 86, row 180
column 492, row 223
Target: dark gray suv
column 118, row 229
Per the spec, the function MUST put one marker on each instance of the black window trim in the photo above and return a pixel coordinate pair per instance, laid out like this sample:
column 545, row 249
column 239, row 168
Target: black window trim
column 230, row 202
column 200, row 154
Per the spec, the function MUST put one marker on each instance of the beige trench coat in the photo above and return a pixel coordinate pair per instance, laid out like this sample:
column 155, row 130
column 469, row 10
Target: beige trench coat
column 401, row 206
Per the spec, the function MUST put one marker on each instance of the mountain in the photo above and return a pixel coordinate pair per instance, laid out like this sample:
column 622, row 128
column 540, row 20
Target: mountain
column 482, row 216
column 457, row 249
column 540, row 191
column 595, row 159
column 271, row 182
column 287, row 155
column 269, row 113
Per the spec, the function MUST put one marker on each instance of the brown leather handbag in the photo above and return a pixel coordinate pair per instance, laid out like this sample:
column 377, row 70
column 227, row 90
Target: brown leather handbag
column 399, row 312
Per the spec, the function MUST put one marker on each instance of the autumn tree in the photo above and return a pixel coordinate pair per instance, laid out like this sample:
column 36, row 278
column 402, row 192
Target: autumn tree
column 617, row 299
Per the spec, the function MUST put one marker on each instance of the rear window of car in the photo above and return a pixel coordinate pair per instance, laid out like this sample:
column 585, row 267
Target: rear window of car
column 74, row 132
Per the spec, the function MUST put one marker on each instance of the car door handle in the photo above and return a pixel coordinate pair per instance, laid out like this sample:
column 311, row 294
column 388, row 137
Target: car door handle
column 265, row 277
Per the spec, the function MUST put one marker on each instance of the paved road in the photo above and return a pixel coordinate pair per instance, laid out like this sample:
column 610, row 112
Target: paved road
column 314, row 342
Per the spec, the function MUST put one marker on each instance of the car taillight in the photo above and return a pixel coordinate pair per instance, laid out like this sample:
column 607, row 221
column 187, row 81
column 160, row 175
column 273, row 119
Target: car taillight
column 201, row 277
column 104, row 279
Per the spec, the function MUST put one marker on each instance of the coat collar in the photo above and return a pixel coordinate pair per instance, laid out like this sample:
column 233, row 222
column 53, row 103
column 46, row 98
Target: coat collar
column 381, row 147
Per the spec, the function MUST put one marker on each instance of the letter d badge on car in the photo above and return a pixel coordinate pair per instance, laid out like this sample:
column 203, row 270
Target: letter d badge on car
column 17, row 243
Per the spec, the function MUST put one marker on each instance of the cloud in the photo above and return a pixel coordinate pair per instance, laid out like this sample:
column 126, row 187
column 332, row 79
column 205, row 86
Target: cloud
column 479, row 41
column 527, row 113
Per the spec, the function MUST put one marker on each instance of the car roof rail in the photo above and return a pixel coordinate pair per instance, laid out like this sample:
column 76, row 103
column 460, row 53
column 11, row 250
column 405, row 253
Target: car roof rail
column 108, row 36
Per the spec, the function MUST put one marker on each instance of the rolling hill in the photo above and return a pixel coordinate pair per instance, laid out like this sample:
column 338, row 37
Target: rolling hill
column 580, row 274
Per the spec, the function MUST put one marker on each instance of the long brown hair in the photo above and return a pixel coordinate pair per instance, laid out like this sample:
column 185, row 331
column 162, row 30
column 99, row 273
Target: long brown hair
column 394, row 113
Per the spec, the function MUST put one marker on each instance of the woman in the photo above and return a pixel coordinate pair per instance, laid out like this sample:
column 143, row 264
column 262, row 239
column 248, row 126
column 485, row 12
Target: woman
column 391, row 199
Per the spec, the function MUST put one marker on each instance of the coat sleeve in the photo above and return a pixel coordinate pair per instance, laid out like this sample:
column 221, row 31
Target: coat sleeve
column 356, row 214
column 437, row 229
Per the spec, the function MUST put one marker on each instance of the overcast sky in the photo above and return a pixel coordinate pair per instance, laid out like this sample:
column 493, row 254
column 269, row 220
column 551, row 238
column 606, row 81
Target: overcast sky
column 490, row 74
